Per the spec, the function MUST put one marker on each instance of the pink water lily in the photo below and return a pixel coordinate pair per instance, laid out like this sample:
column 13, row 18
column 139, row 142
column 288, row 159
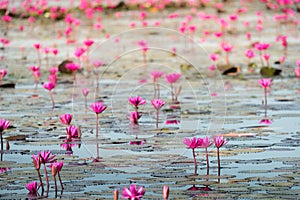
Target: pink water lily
column 85, row 92
column 157, row 104
column 205, row 144
column 173, row 78
column 265, row 82
column 156, row 75
column 192, row 144
column 66, row 119
column 50, row 86
column 4, row 124
column 98, row 107
column 55, row 169
column 219, row 141
column 72, row 132
column 3, row 73
column 134, row 117
column 46, row 157
column 32, row 188
column 133, row 193
column 136, row 101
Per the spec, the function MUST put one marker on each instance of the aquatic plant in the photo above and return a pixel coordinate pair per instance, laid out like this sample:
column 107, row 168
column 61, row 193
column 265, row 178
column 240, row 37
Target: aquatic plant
column 134, row 117
column 3, row 73
column 36, row 74
column 85, row 92
column 73, row 67
column 219, row 141
column 38, row 47
column 205, row 144
column 55, row 169
column 66, row 119
column 144, row 46
column 72, row 132
column 37, row 165
column 50, row 86
column 155, row 75
column 46, row 157
column 136, row 102
column 133, row 193
column 32, row 188
column 157, row 104
column 4, row 124
column 97, row 107
column 227, row 48
column 193, row 144
column 171, row 79
column 265, row 83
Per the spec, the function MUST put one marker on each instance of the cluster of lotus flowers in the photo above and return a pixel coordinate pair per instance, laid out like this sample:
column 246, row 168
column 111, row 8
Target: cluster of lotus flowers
column 194, row 143
column 44, row 158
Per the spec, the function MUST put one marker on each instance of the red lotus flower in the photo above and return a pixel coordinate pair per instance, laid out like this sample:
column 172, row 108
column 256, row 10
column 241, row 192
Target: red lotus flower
column 98, row 107
column 66, row 119
column 172, row 78
column 265, row 82
column 156, row 75
column 72, row 132
column 193, row 143
column 134, row 117
column 4, row 124
column 72, row 66
column 133, row 193
column 49, row 86
column 219, row 141
column 136, row 101
column 56, row 167
column 3, row 73
column 157, row 103
column 32, row 187
column 46, row 157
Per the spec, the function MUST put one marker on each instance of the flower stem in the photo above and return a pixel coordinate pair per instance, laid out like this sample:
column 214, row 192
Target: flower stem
column 55, row 185
column 195, row 162
column 219, row 164
column 227, row 59
column 1, row 141
column 40, row 178
column 266, row 101
column 62, row 187
column 172, row 92
column 52, row 99
column 157, row 115
column 45, row 171
column 207, row 162
column 97, row 125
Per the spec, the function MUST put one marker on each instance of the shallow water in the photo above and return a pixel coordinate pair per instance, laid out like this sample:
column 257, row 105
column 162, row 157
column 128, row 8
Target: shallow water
column 260, row 161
